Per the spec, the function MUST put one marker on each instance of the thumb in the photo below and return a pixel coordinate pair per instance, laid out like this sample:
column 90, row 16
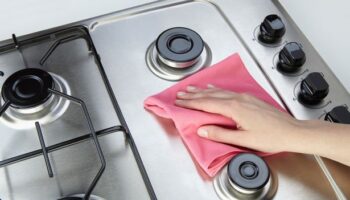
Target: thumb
column 219, row 134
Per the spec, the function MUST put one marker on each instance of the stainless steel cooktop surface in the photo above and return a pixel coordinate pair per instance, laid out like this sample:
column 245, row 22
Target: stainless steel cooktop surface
column 114, row 62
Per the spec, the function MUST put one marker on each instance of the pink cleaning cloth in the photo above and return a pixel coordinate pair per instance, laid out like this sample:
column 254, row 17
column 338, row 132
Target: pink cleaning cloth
column 229, row 74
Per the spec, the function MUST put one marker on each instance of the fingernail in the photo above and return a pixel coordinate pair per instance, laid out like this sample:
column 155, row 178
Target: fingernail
column 191, row 88
column 202, row 132
column 181, row 93
column 210, row 86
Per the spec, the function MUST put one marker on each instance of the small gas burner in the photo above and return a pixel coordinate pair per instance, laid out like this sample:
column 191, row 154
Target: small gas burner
column 178, row 52
column 27, row 93
column 247, row 176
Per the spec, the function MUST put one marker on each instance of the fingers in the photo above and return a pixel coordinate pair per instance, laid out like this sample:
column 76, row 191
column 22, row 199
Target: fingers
column 196, row 93
column 212, row 99
column 193, row 89
column 219, row 134
column 212, row 105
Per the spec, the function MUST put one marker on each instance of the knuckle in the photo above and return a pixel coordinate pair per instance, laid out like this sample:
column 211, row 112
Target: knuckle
column 199, row 95
column 200, row 101
column 213, row 90
column 234, row 103
column 197, row 103
column 212, row 133
column 194, row 95
column 188, row 103
column 246, row 96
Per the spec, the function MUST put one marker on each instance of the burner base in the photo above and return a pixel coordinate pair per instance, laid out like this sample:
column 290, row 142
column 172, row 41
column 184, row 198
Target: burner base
column 171, row 73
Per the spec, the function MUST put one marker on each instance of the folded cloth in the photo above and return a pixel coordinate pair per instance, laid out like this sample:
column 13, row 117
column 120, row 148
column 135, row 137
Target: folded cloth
column 229, row 74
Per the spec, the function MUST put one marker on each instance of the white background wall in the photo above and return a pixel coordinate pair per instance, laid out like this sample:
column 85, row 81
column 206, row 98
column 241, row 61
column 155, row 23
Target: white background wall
column 27, row 16
column 326, row 23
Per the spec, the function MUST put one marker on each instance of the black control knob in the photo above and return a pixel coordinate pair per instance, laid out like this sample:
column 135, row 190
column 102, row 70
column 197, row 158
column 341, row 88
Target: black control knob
column 339, row 114
column 313, row 89
column 291, row 58
column 272, row 29
column 248, row 171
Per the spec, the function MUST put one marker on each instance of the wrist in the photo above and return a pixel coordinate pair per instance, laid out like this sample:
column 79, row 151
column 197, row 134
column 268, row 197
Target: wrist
column 302, row 136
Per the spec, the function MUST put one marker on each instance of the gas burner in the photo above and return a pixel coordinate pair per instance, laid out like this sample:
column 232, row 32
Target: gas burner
column 27, row 88
column 246, row 177
column 27, row 92
column 177, row 53
column 81, row 197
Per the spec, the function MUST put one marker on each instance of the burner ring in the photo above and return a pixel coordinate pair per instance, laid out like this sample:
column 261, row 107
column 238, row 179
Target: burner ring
column 27, row 88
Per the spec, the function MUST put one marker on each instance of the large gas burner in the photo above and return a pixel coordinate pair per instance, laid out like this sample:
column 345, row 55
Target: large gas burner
column 28, row 92
column 27, row 88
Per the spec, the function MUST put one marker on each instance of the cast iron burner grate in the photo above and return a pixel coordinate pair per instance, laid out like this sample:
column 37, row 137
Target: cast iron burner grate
column 31, row 87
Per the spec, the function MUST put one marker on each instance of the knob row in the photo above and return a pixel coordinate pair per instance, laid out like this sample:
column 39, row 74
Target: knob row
column 313, row 88
column 292, row 56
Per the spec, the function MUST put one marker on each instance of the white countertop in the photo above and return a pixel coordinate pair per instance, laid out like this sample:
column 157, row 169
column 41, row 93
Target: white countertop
column 324, row 22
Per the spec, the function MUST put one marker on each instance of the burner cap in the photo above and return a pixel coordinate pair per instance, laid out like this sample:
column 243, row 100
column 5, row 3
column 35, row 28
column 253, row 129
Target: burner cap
column 179, row 45
column 248, row 171
column 27, row 88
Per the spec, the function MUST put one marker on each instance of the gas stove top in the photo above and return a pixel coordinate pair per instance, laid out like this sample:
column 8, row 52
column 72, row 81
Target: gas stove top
column 73, row 124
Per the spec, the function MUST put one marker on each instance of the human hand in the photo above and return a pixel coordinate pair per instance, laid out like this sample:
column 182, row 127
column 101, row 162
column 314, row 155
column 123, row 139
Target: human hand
column 260, row 126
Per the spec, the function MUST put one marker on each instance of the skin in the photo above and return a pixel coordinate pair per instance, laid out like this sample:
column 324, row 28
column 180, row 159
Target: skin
column 262, row 127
